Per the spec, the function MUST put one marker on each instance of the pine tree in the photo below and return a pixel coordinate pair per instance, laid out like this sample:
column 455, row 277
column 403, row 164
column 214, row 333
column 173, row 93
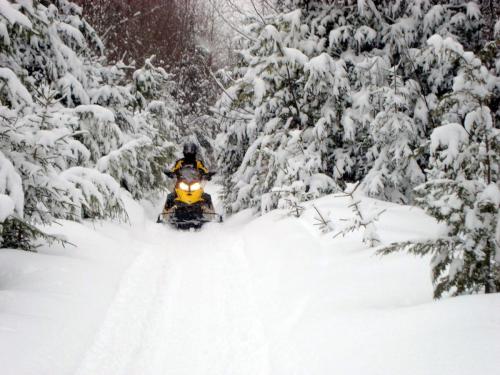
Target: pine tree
column 195, row 90
column 73, row 129
column 375, row 76
column 283, row 145
column 144, row 112
column 395, row 136
column 464, row 189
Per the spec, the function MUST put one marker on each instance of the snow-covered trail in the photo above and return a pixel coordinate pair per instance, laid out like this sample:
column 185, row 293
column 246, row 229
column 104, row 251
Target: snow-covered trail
column 269, row 295
column 185, row 306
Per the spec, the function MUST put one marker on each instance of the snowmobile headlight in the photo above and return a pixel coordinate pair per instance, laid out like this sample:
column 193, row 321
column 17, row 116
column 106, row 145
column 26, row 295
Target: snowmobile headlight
column 195, row 186
column 183, row 186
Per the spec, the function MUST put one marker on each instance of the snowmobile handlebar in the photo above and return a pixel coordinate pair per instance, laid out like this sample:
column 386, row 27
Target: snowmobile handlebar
column 207, row 176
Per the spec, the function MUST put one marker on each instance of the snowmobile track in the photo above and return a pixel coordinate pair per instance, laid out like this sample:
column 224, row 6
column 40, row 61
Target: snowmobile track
column 185, row 308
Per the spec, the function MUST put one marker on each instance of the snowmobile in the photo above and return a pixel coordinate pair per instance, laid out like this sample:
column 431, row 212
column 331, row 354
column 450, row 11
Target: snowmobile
column 191, row 207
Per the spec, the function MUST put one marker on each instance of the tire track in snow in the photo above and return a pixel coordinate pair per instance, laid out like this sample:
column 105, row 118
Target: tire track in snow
column 188, row 309
column 121, row 333
column 205, row 322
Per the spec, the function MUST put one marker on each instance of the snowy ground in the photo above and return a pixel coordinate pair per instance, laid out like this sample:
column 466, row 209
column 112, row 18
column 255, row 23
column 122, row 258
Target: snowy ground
column 251, row 296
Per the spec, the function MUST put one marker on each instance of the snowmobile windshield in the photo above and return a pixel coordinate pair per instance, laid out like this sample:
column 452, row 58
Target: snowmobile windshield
column 189, row 173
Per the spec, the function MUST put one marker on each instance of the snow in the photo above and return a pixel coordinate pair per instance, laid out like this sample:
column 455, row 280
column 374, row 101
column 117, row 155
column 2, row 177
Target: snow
column 92, row 190
column 7, row 206
column 101, row 114
column 294, row 56
column 18, row 94
column 480, row 118
column 365, row 34
column 473, row 10
column 13, row 16
column 268, row 295
column 319, row 183
column 71, row 87
column 4, row 35
column 270, row 32
column 452, row 136
column 361, row 7
column 293, row 17
column 340, row 35
column 438, row 43
column 72, row 33
column 321, row 65
column 434, row 17
column 51, row 302
column 11, row 190
column 491, row 194
column 259, row 87
column 104, row 163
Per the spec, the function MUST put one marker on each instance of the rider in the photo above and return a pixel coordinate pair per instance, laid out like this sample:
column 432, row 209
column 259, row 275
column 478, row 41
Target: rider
column 189, row 150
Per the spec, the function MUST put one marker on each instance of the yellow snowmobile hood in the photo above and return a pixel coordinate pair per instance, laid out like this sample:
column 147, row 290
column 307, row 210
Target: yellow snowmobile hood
column 189, row 196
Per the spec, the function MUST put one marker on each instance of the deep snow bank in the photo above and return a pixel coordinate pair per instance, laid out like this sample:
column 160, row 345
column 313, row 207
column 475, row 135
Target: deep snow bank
column 268, row 295
column 52, row 302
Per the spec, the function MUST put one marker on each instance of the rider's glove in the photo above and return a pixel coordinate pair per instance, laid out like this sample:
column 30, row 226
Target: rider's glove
column 169, row 173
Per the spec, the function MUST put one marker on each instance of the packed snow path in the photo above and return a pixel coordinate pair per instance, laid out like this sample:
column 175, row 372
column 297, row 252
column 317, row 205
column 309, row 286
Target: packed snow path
column 269, row 295
column 185, row 306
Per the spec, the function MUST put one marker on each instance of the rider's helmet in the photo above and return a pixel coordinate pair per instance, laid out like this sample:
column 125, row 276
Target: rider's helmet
column 190, row 149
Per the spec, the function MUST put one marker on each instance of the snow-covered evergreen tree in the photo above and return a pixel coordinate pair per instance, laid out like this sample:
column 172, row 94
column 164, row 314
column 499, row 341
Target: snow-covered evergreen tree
column 360, row 73
column 195, row 90
column 46, row 68
column 395, row 137
column 145, row 112
column 73, row 129
column 283, row 143
column 464, row 187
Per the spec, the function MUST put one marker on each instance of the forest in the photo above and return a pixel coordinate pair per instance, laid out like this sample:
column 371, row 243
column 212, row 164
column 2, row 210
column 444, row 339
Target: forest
column 292, row 103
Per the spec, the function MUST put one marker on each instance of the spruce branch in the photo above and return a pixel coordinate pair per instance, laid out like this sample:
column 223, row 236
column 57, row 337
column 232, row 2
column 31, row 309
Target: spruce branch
column 324, row 224
column 16, row 233
column 360, row 220
column 294, row 208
